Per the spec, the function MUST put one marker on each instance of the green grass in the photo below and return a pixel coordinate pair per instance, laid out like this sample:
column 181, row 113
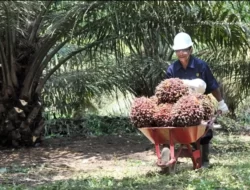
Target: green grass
column 230, row 171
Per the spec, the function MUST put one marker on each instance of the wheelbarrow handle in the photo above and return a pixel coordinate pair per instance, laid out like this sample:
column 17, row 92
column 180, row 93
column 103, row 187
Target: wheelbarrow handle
column 211, row 122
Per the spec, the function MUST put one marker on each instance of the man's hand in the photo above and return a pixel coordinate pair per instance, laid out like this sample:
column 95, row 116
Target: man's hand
column 223, row 107
column 197, row 85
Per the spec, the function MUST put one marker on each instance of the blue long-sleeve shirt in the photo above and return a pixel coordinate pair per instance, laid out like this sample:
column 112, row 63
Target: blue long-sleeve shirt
column 196, row 68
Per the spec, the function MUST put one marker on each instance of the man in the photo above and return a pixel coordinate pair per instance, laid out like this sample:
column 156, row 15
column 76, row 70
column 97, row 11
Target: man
column 189, row 67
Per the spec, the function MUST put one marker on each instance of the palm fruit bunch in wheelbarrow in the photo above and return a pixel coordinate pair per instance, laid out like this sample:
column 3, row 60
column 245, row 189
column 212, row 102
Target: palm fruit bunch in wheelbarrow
column 173, row 104
column 170, row 90
column 142, row 112
column 161, row 115
column 208, row 103
column 187, row 111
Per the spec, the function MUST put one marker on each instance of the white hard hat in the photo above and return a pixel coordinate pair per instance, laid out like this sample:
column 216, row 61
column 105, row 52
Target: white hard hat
column 182, row 41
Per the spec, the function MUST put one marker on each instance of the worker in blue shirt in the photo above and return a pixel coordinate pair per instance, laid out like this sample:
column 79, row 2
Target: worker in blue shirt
column 190, row 68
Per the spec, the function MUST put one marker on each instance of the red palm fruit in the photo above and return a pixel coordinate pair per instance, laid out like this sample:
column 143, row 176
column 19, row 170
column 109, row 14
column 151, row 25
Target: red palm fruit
column 142, row 112
column 207, row 105
column 170, row 90
column 162, row 114
column 187, row 111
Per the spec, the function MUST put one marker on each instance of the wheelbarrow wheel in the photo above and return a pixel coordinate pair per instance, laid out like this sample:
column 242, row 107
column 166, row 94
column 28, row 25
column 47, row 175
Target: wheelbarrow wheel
column 165, row 157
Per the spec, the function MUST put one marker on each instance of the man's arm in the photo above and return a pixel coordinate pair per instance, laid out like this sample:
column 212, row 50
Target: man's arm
column 221, row 103
column 213, row 87
column 216, row 93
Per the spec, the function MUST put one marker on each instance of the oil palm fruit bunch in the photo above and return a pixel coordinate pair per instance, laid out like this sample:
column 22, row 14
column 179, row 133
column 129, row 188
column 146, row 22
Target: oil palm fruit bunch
column 142, row 111
column 154, row 99
column 187, row 111
column 207, row 105
column 170, row 90
column 214, row 101
column 162, row 115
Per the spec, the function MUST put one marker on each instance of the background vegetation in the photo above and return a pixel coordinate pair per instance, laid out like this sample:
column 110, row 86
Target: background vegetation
column 77, row 65
column 135, row 62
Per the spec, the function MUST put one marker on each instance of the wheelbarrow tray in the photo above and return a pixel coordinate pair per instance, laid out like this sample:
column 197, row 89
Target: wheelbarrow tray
column 182, row 135
column 177, row 135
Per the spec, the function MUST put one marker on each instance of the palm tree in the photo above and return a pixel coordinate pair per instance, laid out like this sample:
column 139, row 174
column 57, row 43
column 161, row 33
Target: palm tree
column 31, row 34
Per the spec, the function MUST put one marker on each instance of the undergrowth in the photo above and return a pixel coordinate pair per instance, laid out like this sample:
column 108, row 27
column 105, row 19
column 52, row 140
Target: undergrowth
column 230, row 171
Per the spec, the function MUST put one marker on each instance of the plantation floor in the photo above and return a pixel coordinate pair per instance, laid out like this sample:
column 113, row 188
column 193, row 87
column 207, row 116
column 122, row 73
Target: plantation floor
column 64, row 157
column 107, row 161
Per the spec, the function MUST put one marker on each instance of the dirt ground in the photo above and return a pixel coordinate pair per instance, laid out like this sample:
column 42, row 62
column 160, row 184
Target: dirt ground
column 62, row 158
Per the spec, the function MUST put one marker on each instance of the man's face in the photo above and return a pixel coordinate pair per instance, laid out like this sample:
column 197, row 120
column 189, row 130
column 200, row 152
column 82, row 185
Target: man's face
column 183, row 54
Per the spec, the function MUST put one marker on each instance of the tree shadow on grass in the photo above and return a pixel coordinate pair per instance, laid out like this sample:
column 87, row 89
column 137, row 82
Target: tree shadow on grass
column 103, row 147
column 58, row 159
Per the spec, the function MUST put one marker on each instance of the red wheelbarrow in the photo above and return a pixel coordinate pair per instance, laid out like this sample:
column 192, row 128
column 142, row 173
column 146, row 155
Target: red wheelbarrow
column 184, row 136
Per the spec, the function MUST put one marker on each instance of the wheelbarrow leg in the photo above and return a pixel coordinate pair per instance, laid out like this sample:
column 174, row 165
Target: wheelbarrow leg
column 172, row 151
column 158, row 152
column 196, row 156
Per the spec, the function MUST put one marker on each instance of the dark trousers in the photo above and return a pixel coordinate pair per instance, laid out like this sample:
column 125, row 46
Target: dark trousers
column 207, row 137
column 204, row 141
